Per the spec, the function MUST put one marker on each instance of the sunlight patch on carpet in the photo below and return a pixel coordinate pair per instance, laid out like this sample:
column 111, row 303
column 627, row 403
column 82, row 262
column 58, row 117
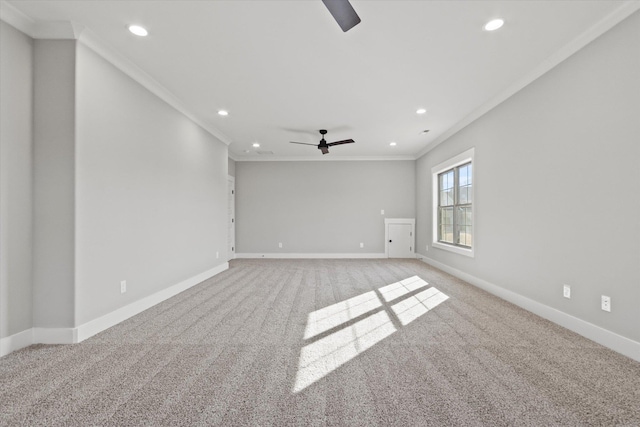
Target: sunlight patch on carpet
column 336, row 337
column 329, row 353
column 401, row 288
column 335, row 315
column 411, row 308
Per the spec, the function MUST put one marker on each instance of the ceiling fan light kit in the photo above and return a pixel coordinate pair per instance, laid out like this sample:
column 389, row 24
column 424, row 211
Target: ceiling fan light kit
column 323, row 145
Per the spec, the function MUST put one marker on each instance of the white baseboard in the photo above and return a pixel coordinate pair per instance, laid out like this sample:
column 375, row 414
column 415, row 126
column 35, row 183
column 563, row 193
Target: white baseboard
column 588, row 330
column 16, row 342
column 55, row 335
column 89, row 329
column 95, row 326
column 309, row 256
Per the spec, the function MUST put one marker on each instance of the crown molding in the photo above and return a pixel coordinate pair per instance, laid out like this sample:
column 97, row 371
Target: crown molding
column 589, row 35
column 72, row 31
column 58, row 30
column 52, row 30
column 69, row 30
column 17, row 19
column 90, row 40
column 320, row 159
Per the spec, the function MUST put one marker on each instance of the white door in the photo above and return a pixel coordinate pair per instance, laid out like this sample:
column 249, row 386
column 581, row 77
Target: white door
column 400, row 241
column 231, row 206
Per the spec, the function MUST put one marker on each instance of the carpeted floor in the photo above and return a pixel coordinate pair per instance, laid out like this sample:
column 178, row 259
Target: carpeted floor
column 325, row 342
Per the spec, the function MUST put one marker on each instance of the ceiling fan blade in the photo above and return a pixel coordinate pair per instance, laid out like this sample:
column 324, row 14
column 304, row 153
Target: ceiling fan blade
column 303, row 143
column 343, row 13
column 344, row 141
column 325, row 150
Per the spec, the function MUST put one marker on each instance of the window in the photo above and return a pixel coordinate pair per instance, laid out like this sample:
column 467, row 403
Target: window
column 455, row 225
column 453, row 216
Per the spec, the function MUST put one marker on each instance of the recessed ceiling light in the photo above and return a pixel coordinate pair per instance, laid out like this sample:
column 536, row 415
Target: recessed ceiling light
column 393, row 144
column 494, row 24
column 256, row 145
column 138, row 30
column 223, row 112
column 421, row 111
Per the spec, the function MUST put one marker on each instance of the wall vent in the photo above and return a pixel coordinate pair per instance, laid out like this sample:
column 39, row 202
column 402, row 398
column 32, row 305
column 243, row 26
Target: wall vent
column 264, row 153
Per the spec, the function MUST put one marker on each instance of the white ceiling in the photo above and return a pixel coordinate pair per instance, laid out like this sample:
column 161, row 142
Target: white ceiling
column 284, row 69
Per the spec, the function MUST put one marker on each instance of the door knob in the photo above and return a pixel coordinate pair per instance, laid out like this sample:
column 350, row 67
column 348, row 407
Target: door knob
column 389, row 241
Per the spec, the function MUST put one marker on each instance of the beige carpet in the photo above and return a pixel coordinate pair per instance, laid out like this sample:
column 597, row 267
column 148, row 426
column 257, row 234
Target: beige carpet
column 325, row 342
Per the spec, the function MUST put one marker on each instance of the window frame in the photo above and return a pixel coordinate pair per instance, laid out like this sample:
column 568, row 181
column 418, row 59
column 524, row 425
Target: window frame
column 459, row 160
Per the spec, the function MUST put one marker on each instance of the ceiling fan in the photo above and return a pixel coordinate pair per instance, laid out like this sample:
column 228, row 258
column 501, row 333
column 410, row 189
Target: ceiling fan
column 324, row 146
column 343, row 13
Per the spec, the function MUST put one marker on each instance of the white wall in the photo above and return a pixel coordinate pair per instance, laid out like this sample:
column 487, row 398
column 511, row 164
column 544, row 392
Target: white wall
column 320, row 207
column 151, row 203
column 558, row 186
column 16, row 167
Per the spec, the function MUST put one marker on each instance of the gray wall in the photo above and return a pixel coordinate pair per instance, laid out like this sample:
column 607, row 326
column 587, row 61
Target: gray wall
column 320, row 207
column 54, row 193
column 558, row 186
column 151, row 192
column 102, row 181
column 232, row 167
column 16, row 167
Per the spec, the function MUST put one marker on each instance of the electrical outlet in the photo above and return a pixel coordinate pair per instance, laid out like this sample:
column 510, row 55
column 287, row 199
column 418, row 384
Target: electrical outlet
column 382, row 212
column 362, row 245
column 280, row 245
column 123, row 286
column 606, row 303
column 426, row 248
column 566, row 291
column 217, row 254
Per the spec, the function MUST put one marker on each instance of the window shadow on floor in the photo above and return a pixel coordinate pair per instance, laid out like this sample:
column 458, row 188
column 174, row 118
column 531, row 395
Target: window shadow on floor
column 336, row 334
